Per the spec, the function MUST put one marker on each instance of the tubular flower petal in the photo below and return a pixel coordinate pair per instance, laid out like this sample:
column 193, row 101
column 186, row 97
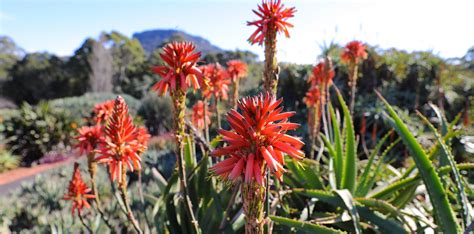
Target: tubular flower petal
column 180, row 68
column 258, row 139
column 103, row 110
column 313, row 96
column 273, row 16
column 78, row 192
column 218, row 81
column 323, row 73
column 89, row 138
column 354, row 51
column 236, row 69
column 200, row 115
column 123, row 141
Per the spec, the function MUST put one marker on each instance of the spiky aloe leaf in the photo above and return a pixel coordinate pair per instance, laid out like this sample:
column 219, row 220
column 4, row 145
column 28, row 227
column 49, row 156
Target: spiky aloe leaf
column 384, row 225
column 361, row 186
column 448, row 156
column 346, row 197
column 442, row 208
column 371, row 181
column 349, row 175
column 338, row 156
column 305, row 226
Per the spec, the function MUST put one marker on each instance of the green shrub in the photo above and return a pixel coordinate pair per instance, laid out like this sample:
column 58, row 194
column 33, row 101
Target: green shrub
column 82, row 106
column 8, row 161
column 157, row 112
column 36, row 130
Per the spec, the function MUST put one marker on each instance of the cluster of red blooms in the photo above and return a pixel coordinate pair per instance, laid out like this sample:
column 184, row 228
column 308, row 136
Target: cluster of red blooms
column 236, row 69
column 89, row 138
column 180, row 71
column 218, row 81
column 200, row 116
column 273, row 16
column 102, row 111
column 354, row 51
column 320, row 81
column 258, row 137
column 119, row 142
column 124, row 142
column 78, row 192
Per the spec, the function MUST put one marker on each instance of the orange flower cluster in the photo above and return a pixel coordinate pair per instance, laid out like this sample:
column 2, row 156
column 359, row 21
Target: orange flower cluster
column 236, row 69
column 200, row 116
column 258, row 139
column 273, row 16
column 320, row 80
column 89, row 138
column 78, row 192
column 218, row 81
column 323, row 73
column 354, row 51
column 123, row 142
column 180, row 71
column 312, row 97
column 103, row 111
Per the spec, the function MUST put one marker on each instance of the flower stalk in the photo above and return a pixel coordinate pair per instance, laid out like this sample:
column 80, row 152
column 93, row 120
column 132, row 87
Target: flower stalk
column 126, row 201
column 179, row 104
column 253, row 196
column 272, row 70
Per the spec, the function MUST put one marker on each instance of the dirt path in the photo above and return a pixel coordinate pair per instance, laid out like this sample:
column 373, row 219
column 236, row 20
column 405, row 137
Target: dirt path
column 14, row 178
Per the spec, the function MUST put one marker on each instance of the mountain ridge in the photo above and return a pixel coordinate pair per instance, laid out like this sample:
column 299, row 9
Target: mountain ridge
column 154, row 38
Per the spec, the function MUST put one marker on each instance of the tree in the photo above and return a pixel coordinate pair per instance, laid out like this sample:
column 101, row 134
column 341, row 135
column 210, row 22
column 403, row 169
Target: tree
column 101, row 67
column 37, row 76
column 10, row 53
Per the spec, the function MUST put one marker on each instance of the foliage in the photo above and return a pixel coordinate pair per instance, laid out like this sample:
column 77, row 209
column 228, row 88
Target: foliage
column 81, row 106
column 8, row 161
column 157, row 112
column 39, row 76
column 36, row 130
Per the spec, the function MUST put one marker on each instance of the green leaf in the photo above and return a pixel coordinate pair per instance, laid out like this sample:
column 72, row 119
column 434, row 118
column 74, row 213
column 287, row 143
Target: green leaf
column 448, row 156
column 383, row 224
column 361, row 187
column 346, row 197
column 338, row 159
column 371, row 181
column 350, row 166
column 305, row 226
column 442, row 208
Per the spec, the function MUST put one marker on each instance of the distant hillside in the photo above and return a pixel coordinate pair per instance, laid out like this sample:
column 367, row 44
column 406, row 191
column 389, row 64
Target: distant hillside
column 153, row 38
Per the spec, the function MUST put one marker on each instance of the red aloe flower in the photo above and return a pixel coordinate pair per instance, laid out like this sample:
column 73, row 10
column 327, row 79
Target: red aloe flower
column 142, row 139
column 218, row 81
column 198, row 115
column 323, row 73
column 313, row 96
column 123, row 142
column 236, row 69
column 273, row 16
column 180, row 71
column 89, row 138
column 354, row 51
column 258, row 139
column 78, row 192
column 103, row 111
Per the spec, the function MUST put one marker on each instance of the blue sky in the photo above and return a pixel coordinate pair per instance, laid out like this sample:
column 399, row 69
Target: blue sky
column 60, row 26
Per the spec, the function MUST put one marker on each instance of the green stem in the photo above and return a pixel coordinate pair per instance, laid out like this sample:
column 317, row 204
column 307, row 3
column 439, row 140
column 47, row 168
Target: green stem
column 179, row 102
column 92, row 167
column 253, row 196
column 235, row 95
column 352, row 85
column 126, row 202
column 271, row 71
column 84, row 223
